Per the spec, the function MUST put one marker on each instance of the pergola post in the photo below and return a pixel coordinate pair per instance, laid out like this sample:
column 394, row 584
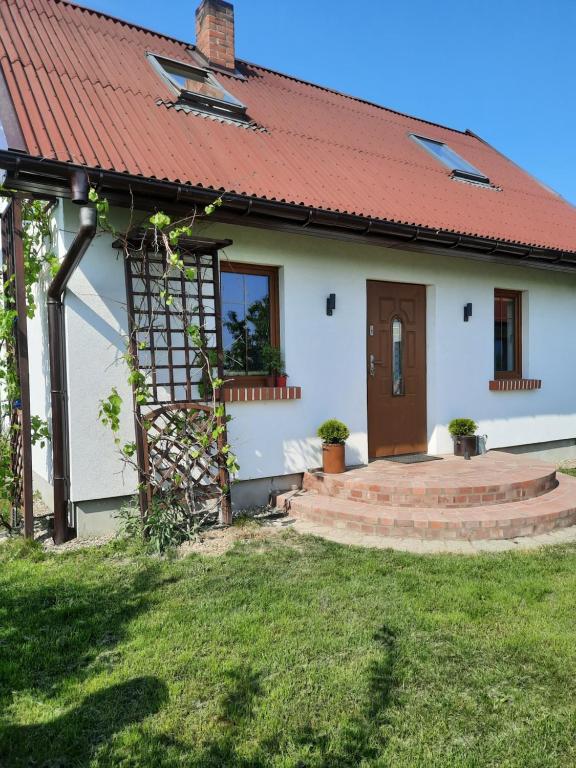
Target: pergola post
column 24, row 462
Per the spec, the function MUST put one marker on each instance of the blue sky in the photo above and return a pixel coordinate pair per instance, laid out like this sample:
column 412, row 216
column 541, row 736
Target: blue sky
column 503, row 68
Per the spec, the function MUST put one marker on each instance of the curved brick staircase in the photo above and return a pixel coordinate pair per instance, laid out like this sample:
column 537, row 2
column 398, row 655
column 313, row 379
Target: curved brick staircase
column 495, row 496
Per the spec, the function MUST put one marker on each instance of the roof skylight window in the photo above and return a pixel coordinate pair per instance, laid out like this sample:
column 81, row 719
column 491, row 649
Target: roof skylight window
column 197, row 86
column 460, row 168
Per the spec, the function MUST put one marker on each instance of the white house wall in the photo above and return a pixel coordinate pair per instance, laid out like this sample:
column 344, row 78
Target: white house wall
column 326, row 356
column 96, row 333
column 38, row 354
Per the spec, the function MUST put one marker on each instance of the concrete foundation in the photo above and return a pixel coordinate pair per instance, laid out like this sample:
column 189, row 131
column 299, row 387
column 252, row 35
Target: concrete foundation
column 247, row 494
column 98, row 516
column 559, row 452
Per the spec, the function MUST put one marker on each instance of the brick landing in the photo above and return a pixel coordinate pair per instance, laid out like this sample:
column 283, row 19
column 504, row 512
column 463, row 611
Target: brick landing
column 494, row 478
column 491, row 497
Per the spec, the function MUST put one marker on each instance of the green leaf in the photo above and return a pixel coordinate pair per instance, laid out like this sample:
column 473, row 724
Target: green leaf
column 160, row 220
column 209, row 209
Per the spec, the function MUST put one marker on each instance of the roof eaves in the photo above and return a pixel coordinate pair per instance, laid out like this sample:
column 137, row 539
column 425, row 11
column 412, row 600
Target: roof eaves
column 35, row 174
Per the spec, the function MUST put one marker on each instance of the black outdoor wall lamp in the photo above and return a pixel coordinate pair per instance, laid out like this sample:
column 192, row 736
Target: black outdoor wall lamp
column 467, row 312
column 331, row 304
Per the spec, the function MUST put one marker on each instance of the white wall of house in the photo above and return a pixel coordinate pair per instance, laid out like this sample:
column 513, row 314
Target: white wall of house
column 326, row 356
column 39, row 359
column 96, row 336
column 96, row 329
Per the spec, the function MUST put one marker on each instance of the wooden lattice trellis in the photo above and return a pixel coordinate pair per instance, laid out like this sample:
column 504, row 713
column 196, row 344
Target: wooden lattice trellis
column 177, row 466
column 19, row 411
column 174, row 464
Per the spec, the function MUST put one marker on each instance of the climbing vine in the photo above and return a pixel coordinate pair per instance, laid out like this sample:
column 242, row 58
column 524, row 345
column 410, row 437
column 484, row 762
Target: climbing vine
column 174, row 515
column 196, row 436
column 39, row 260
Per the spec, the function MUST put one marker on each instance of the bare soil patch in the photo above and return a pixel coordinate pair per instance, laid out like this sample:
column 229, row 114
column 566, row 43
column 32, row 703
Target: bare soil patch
column 219, row 540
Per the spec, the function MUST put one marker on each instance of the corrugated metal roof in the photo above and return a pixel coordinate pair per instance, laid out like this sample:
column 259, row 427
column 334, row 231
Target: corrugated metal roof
column 84, row 92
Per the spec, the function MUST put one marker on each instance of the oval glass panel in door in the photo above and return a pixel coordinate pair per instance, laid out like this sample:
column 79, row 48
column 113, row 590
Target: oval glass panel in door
column 397, row 357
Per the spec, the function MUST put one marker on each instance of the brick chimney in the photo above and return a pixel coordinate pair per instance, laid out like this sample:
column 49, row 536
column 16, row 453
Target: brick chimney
column 215, row 32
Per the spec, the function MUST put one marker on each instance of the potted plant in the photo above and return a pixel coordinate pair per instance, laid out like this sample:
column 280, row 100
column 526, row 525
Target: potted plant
column 281, row 378
column 274, row 364
column 333, row 434
column 463, row 433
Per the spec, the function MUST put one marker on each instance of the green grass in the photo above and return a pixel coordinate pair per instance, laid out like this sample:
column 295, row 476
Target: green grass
column 284, row 653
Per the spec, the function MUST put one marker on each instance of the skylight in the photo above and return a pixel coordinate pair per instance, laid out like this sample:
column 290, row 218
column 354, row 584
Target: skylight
column 3, row 142
column 198, row 87
column 460, row 168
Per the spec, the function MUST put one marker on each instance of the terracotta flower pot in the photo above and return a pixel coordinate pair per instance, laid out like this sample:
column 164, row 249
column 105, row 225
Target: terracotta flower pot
column 281, row 379
column 333, row 458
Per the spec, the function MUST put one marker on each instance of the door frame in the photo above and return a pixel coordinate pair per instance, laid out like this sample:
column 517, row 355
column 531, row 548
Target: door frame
column 426, row 361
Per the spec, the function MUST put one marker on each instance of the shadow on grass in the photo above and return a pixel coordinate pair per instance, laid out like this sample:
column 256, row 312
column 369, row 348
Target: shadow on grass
column 56, row 634
column 360, row 738
column 72, row 738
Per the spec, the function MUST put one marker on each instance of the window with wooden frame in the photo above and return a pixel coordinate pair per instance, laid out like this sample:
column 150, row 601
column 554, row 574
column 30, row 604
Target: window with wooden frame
column 250, row 320
column 507, row 334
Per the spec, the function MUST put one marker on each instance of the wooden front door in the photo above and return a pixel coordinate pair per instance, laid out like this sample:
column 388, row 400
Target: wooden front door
column 396, row 357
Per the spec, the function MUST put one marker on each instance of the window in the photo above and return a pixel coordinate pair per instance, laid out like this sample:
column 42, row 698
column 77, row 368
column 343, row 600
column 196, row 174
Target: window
column 507, row 334
column 460, row 168
column 199, row 87
column 397, row 372
column 250, row 319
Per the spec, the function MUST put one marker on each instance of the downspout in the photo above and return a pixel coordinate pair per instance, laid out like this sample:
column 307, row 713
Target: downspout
column 57, row 352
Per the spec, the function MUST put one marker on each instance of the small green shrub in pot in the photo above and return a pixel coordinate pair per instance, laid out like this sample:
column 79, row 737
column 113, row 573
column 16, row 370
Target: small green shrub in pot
column 333, row 432
column 462, row 427
column 463, row 433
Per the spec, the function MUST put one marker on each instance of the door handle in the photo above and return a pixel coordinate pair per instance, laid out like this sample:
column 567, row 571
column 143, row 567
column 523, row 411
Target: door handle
column 373, row 364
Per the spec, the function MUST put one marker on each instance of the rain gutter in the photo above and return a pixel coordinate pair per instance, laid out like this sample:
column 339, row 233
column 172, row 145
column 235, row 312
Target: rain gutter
column 57, row 353
column 39, row 176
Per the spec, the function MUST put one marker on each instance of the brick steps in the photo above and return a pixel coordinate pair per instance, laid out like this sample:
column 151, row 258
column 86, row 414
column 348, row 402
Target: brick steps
column 490, row 479
column 537, row 515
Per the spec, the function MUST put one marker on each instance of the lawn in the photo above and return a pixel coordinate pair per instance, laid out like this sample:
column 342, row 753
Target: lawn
column 287, row 652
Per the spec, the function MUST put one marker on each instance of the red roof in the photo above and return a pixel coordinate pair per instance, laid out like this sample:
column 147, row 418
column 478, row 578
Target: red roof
column 84, row 92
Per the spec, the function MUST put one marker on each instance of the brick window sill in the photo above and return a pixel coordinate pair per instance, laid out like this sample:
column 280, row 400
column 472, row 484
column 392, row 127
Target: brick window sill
column 514, row 385
column 260, row 394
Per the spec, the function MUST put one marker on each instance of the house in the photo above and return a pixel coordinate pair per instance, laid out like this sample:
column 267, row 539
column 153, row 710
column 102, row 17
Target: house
column 409, row 272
